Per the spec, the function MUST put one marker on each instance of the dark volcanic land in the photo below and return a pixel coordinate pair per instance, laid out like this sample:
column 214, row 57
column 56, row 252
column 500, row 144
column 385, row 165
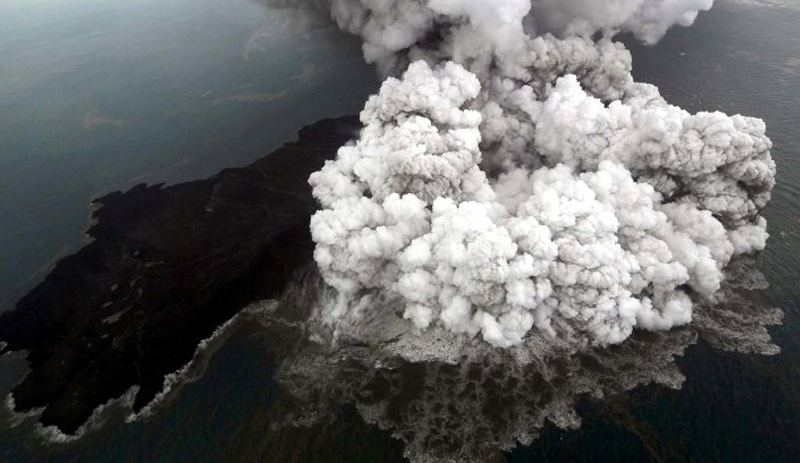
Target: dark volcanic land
column 167, row 266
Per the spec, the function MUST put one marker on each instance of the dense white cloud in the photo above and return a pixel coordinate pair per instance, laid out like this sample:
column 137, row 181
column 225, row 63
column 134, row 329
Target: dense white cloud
column 648, row 20
column 393, row 29
column 510, row 181
column 451, row 399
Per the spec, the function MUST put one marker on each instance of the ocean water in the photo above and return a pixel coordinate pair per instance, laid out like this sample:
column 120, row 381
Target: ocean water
column 100, row 95
column 70, row 128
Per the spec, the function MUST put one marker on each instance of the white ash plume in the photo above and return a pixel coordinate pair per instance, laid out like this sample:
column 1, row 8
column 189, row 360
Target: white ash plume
column 648, row 20
column 511, row 182
column 393, row 30
column 465, row 404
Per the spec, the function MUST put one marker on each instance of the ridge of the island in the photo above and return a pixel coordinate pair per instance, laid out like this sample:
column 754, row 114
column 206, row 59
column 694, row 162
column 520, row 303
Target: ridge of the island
column 167, row 266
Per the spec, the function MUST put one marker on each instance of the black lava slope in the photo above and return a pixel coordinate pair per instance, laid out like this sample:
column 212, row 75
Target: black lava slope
column 167, row 266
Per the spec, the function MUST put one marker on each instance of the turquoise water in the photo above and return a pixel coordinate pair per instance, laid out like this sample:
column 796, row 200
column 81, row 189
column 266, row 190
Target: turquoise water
column 740, row 58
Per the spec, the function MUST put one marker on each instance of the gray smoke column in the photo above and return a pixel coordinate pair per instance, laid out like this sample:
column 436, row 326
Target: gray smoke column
column 512, row 177
column 476, row 400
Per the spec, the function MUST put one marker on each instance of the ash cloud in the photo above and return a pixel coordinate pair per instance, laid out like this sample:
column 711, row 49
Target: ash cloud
column 513, row 179
column 451, row 399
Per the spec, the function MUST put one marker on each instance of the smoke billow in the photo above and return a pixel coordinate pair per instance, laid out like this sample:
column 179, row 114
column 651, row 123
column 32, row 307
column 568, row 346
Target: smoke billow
column 512, row 178
column 467, row 403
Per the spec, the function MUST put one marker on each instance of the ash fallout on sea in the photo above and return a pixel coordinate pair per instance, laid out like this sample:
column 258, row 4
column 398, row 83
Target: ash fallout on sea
column 511, row 176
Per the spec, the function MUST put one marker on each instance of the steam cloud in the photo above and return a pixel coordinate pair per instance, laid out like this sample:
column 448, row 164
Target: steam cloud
column 484, row 399
column 515, row 178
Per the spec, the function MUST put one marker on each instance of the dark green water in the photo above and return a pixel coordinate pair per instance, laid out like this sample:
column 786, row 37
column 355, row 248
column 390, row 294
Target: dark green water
column 740, row 58
column 99, row 95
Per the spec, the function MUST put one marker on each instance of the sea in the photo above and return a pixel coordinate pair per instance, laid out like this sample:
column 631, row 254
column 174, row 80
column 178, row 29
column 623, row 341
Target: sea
column 99, row 95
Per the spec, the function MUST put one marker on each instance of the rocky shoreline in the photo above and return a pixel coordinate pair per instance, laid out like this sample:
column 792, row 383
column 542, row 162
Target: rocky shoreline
column 167, row 266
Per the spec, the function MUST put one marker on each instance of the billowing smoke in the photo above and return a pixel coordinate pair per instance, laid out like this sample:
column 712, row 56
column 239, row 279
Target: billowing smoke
column 482, row 400
column 513, row 177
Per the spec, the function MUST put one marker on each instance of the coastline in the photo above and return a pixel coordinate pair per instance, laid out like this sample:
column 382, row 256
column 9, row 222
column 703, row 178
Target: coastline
column 167, row 268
